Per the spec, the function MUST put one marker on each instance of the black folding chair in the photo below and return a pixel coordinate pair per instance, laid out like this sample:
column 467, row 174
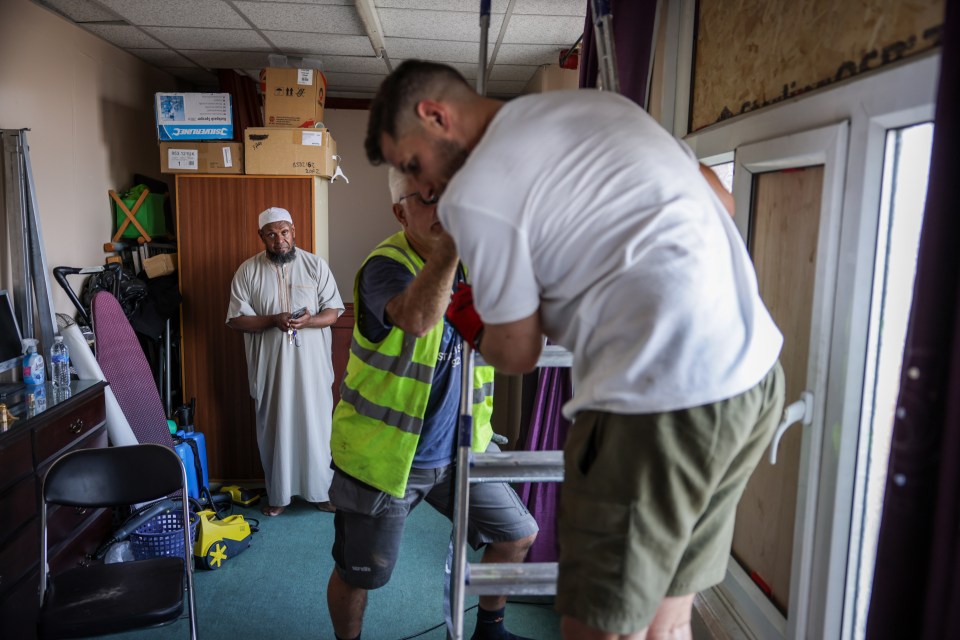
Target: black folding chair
column 108, row 598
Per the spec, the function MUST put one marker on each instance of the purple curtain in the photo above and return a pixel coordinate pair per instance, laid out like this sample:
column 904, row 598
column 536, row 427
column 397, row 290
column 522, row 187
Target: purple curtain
column 245, row 98
column 633, row 22
column 547, row 431
column 916, row 587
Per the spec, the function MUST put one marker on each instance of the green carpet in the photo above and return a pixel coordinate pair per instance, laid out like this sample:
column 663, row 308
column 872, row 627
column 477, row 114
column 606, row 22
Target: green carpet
column 277, row 588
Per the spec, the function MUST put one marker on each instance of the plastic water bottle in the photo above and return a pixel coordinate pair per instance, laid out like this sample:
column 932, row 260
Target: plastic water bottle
column 60, row 363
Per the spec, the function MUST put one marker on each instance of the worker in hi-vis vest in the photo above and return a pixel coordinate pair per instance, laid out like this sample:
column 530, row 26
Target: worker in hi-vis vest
column 395, row 428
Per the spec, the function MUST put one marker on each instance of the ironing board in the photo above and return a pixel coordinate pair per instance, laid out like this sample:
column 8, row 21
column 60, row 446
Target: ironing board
column 126, row 369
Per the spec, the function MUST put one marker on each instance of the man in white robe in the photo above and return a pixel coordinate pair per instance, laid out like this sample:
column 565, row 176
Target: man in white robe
column 288, row 360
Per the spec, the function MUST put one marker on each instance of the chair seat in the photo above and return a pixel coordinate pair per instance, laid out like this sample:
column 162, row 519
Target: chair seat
column 109, row 598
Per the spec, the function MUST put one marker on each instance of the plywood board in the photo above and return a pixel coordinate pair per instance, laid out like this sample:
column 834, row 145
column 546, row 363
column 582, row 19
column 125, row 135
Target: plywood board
column 753, row 53
column 786, row 219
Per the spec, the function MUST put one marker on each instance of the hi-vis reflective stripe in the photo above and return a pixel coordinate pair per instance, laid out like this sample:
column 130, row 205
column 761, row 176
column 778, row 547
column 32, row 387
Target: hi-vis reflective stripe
column 484, row 392
column 401, row 365
column 386, row 415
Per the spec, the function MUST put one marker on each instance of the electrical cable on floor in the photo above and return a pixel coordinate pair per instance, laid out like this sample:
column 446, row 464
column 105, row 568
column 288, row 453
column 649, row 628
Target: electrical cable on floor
column 437, row 626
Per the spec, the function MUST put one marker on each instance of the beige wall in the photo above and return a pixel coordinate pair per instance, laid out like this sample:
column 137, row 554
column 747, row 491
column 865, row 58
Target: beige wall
column 360, row 215
column 88, row 106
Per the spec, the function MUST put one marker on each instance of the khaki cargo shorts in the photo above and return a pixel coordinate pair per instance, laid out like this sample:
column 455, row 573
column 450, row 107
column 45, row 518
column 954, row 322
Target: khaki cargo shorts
column 648, row 503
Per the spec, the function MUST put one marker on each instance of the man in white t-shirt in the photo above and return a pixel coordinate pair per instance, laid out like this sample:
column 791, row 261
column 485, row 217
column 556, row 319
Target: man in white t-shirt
column 582, row 219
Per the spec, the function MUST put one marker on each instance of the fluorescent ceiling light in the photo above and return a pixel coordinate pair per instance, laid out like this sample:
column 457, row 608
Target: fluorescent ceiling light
column 371, row 23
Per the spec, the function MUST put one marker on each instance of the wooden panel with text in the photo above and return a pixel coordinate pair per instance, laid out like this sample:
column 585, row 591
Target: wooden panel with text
column 784, row 229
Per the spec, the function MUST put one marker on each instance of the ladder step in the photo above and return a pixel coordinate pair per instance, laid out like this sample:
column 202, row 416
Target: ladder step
column 511, row 578
column 553, row 355
column 517, row 466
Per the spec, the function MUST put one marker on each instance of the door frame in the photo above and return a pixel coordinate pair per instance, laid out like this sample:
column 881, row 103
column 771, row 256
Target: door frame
column 827, row 147
column 870, row 107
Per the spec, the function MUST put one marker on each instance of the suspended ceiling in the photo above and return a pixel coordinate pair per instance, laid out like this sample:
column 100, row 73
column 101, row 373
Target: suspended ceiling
column 192, row 38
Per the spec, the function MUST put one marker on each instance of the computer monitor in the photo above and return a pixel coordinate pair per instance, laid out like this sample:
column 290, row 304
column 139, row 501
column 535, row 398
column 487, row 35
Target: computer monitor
column 11, row 346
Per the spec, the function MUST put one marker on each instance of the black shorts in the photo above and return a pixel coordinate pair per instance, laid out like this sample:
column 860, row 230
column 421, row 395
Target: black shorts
column 369, row 523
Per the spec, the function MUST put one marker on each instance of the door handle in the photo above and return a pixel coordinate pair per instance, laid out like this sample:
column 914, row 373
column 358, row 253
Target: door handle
column 800, row 411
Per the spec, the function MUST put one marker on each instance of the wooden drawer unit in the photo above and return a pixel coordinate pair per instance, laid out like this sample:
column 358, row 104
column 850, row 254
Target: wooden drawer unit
column 17, row 505
column 84, row 542
column 27, row 449
column 55, row 436
column 16, row 460
column 20, row 554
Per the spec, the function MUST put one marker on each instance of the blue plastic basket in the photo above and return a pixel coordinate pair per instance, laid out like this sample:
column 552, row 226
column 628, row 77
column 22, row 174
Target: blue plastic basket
column 162, row 535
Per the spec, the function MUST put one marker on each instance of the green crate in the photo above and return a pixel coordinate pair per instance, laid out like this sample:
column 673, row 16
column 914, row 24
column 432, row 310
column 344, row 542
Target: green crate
column 150, row 215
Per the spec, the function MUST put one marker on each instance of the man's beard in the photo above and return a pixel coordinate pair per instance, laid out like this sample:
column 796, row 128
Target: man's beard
column 283, row 258
column 450, row 156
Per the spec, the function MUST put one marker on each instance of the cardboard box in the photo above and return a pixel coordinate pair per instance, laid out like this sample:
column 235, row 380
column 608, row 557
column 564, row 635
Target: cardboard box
column 201, row 157
column 293, row 97
column 194, row 116
column 289, row 152
column 162, row 264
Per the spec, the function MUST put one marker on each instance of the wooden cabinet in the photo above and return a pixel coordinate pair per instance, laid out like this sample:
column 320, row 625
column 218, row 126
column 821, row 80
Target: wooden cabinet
column 51, row 427
column 217, row 231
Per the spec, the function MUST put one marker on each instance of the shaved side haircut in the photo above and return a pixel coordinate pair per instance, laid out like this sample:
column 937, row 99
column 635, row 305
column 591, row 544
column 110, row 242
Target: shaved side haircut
column 398, row 95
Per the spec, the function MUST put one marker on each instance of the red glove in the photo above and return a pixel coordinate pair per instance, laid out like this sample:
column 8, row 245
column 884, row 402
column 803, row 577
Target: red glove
column 463, row 316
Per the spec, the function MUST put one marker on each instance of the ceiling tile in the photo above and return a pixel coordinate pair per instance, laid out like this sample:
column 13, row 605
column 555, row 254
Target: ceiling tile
column 336, row 2
column 301, row 17
column 162, row 57
column 543, row 30
column 528, row 54
column 354, row 64
column 466, row 6
column 438, row 50
column 123, row 36
column 297, row 43
column 177, row 13
column 227, row 59
column 552, row 8
column 435, row 25
column 80, row 10
column 210, row 39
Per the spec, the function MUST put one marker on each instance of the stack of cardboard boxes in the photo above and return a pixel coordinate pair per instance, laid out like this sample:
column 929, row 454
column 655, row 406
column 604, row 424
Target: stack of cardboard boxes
column 293, row 142
column 195, row 132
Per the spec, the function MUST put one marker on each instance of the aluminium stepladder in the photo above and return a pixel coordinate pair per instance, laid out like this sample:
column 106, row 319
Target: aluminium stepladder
column 510, row 578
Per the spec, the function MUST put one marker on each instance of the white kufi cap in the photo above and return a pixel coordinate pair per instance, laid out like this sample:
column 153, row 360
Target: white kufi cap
column 274, row 214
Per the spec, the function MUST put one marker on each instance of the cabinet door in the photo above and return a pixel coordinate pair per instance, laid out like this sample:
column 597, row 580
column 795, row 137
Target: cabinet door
column 217, row 225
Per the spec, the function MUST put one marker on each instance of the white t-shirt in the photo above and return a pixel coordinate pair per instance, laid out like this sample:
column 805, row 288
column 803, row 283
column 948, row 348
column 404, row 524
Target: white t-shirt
column 579, row 203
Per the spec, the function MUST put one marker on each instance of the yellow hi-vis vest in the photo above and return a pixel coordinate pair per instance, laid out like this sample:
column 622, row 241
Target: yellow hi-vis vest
column 384, row 394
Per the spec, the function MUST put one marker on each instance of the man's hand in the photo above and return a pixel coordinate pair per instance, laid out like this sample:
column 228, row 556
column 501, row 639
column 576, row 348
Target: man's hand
column 463, row 316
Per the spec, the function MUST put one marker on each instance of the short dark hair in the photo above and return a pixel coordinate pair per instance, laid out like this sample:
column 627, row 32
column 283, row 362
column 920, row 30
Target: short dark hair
column 399, row 93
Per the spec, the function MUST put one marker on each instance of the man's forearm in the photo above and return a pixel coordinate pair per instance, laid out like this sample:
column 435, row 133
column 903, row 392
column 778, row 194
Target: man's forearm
column 422, row 304
column 326, row 318
column 513, row 347
column 252, row 324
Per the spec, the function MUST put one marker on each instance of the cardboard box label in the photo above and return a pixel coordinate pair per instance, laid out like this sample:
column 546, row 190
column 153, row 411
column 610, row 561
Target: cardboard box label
column 194, row 116
column 186, row 156
column 305, row 76
column 312, row 139
column 182, row 159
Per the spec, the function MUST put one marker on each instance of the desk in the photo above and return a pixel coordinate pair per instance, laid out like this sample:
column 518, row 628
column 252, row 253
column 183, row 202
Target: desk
column 50, row 423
